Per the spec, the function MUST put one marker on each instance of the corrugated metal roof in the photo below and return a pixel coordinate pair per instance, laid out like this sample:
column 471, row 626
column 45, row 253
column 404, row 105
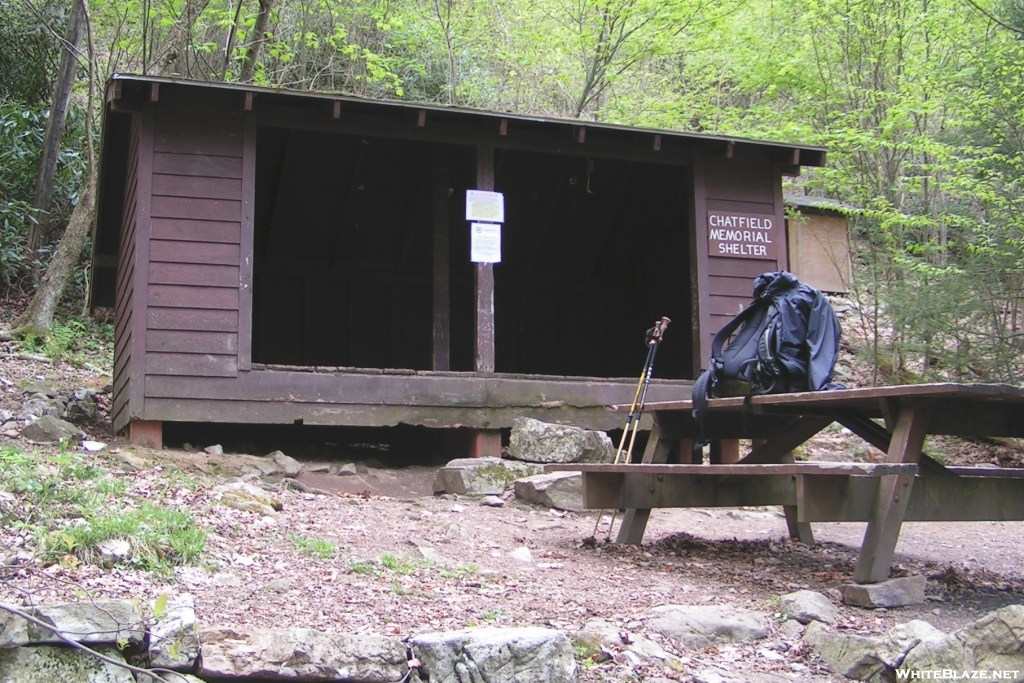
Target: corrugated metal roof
column 820, row 203
column 470, row 113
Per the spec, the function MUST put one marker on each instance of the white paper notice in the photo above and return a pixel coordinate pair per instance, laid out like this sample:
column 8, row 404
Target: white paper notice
column 485, row 243
column 485, row 206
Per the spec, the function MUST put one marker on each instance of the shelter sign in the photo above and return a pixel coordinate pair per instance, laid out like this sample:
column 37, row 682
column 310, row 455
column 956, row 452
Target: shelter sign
column 485, row 243
column 485, row 206
column 742, row 235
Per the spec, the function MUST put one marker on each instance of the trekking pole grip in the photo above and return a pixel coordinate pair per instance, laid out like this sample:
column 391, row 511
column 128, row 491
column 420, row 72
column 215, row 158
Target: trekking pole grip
column 655, row 334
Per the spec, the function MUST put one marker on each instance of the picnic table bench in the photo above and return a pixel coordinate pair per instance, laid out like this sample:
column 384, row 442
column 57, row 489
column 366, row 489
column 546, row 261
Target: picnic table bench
column 906, row 486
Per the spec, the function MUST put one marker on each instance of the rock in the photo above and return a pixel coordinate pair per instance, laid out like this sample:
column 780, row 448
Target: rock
column 249, row 498
column 497, row 655
column 536, row 441
column 289, row 465
column 599, row 635
column 807, row 606
column 493, row 501
column 703, row 626
column 113, row 550
column 561, row 490
column 481, row 476
column 49, row 429
column 522, row 554
column 93, row 446
column 791, row 628
column 102, row 622
column 5, row 415
column 347, row 470
column 173, row 639
column 133, row 461
column 13, row 630
column 906, row 590
column 300, row 653
column 993, row 642
column 40, row 387
column 180, row 678
column 60, row 665
column 83, row 409
column 38, row 407
column 852, row 655
column 215, row 449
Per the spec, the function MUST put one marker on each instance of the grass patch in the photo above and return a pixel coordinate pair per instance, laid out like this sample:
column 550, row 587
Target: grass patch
column 315, row 547
column 363, row 568
column 70, row 506
column 402, row 565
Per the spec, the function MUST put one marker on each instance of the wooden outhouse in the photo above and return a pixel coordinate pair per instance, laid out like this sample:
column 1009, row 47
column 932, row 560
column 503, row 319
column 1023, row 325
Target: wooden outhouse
column 278, row 257
column 819, row 242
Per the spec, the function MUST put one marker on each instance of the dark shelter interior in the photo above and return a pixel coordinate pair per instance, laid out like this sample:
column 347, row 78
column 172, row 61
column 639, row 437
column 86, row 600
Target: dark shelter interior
column 594, row 250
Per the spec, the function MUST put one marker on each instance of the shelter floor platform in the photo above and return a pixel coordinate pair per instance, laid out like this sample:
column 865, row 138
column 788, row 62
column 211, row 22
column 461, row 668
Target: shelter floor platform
column 907, row 485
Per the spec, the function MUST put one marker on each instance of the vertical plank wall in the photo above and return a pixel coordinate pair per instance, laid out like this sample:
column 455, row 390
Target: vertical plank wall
column 195, row 243
column 750, row 188
column 125, row 289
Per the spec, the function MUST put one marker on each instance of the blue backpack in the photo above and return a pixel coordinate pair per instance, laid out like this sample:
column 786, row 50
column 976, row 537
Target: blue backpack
column 787, row 341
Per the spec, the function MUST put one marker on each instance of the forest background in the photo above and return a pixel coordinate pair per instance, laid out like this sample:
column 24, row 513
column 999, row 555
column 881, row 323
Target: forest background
column 919, row 102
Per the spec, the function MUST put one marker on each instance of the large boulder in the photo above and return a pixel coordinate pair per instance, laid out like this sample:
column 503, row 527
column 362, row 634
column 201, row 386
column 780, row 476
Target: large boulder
column 481, row 476
column 994, row 642
column 97, row 622
column 50, row 429
column 300, row 654
column 870, row 658
column 703, row 626
column 561, row 490
column 497, row 655
column 60, row 665
column 536, row 441
column 599, row 636
column 174, row 635
column 807, row 606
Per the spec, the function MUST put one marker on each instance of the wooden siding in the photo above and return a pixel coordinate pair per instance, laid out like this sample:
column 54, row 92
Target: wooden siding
column 125, row 300
column 193, row 305
column 747, row 188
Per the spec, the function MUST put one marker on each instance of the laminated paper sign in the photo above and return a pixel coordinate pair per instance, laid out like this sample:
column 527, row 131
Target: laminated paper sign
column 485, row 243
column 485, row 206
column 742, row 235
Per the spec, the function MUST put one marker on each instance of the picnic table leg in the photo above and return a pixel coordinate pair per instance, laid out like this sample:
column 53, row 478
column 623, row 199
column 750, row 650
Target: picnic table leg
column 886, row 519
column 798, row 531
column 634, row 522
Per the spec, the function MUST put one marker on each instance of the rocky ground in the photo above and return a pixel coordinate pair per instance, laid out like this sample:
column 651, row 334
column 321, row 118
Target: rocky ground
column 375, row 551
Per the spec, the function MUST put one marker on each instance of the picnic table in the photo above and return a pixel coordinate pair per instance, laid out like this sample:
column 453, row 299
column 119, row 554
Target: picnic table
column 906, row 485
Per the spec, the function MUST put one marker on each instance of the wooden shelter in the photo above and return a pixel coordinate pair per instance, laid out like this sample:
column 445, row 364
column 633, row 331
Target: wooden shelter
column 279, row 257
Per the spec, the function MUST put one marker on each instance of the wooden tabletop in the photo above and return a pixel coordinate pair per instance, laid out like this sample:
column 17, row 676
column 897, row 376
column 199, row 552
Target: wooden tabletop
column 854, row 398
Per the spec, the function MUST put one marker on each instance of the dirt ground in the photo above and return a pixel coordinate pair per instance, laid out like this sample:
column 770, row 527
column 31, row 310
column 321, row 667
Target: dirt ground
column 406, row 562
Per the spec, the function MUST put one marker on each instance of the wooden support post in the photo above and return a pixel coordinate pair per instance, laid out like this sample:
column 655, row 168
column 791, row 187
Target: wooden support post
column 485, row 442
column 247, row 102
column 336, row 110
column 798, row 531
column 725, row 451
column 893, row 495
column 147, row 433
column 634, row 521
column 442, row 277
column 421, row 118
column 154, row 92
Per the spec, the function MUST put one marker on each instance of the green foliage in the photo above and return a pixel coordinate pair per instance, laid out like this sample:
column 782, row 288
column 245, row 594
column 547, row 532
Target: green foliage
column 75, row 340
column 71, row 506
column 314, row 547
column 21, row 135
column 27, row 63
column 402, row 565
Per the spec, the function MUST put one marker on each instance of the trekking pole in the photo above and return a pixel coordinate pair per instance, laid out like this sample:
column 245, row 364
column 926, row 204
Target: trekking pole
column 654, row 336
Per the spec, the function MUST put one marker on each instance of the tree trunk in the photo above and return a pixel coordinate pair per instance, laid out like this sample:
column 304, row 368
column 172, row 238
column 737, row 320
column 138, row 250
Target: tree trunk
column 252, row 55
column 55, row 129
column 173, row 52
column 38, row 318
